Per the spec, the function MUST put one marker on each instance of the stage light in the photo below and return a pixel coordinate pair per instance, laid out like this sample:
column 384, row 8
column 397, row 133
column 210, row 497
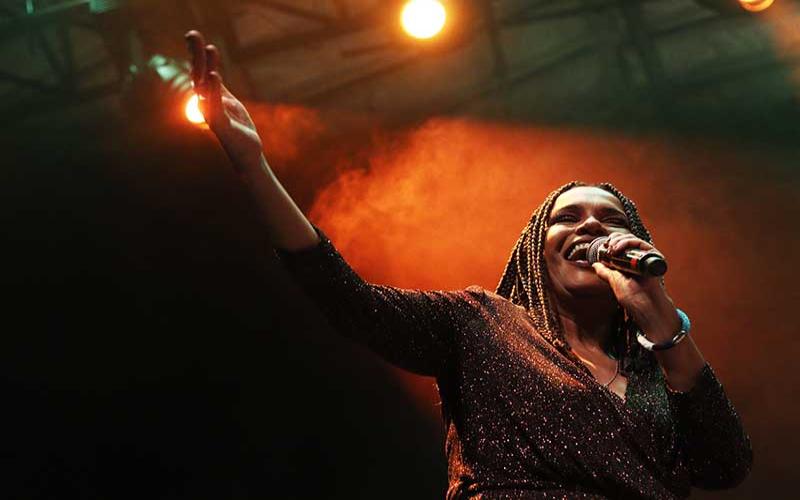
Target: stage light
column 162, row 88
column 755, row 5
column 737, row 6
column 423, row 18
column 192, row 110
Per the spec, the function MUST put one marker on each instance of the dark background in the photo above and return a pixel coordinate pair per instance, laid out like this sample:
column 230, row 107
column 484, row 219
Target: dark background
column 152, row 349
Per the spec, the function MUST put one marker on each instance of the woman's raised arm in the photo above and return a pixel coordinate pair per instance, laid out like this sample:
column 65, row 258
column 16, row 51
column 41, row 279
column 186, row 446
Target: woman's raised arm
column 412, row 329
column 286, row 225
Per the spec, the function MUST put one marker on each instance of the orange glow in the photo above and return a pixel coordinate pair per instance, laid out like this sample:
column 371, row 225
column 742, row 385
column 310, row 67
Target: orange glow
column 755, row 5
column 441, row 206
column 293, row 131
column 423, row 19
column 192, row 110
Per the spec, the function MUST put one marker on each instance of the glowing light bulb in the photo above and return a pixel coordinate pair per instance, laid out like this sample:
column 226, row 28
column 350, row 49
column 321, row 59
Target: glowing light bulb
column 192, row 110
column 755, row 5
column 423, row 18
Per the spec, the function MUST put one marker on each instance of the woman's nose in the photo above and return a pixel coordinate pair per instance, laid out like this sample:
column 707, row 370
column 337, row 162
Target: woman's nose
column 590, row 225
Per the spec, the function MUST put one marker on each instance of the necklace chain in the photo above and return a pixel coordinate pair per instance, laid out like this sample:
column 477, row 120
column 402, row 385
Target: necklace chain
column 614, row 377
column 581, row 361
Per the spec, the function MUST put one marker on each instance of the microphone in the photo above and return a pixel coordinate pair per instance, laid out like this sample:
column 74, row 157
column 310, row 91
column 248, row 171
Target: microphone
column 632, row 260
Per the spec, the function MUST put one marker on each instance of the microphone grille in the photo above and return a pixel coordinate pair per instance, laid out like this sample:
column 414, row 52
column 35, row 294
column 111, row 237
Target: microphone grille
column 593, row 253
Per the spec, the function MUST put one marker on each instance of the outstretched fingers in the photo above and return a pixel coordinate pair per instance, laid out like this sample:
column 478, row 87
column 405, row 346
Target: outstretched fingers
column 197, row 49
column 214, row 111
column 212, row 66
column 212, row 58
column 206, row 78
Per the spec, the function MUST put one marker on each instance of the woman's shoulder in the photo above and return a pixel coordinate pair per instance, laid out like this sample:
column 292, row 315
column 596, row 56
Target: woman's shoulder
column 490, row 299
column 481, row 294
column 480, row 291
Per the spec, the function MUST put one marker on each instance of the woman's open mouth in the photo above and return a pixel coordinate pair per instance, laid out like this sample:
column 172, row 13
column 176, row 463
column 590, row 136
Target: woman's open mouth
column 577, row 254
column 580, row 263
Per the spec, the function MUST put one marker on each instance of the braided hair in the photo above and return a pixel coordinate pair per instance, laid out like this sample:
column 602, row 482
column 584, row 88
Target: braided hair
column 526, row 282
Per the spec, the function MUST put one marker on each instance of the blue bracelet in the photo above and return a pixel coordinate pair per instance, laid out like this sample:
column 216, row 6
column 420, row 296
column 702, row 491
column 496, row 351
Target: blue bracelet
column 686, row 325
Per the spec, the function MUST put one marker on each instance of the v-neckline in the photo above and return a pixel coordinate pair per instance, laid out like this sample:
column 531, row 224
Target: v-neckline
column 585, row 369
column 626, row 395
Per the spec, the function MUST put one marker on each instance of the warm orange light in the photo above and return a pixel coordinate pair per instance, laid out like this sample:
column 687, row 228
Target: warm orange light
column 423, row 18
column 192, row 110
column 755, row 5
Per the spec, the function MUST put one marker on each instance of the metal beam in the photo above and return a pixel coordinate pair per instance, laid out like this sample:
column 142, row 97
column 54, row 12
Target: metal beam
column 52, row 60
column 533, row 69
column 329, row 93
column 493, row 30
column 24, row 23
column 56, row 101
column 341, row 27
column 298, row 11
column 68, row 57
column 738, row 68
column 28, row 82
column 5, row 10
column 556, row 14
column 645, row 48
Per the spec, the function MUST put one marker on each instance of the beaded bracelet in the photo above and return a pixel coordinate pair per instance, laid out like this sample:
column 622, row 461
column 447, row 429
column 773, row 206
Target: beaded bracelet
column 683, row 332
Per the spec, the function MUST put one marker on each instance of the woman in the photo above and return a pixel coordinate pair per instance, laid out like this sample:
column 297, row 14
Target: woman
column 547, row 389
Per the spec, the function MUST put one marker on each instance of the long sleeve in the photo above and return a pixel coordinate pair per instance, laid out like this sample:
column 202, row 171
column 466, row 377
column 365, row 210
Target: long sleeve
column 412, row 329
column 717, row 449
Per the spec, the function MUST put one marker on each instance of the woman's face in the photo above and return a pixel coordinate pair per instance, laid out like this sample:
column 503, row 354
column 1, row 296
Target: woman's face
column 579, row 216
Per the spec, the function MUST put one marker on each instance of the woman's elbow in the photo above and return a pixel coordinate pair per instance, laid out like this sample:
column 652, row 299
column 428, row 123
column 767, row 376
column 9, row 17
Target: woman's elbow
column 724, row 474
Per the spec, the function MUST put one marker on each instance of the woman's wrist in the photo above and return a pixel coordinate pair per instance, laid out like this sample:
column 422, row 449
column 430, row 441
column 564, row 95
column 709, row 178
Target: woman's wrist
column 252, row 167
column 664, row 330
column 681, row 365
column 677, row 337
column 662, row 321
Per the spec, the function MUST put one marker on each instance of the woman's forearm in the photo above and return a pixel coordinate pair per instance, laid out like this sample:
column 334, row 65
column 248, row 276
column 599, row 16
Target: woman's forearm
column 285, row 223
column 227, row 117
column 682, row 363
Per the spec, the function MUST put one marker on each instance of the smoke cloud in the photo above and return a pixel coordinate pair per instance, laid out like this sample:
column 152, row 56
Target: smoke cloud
column 441, row 205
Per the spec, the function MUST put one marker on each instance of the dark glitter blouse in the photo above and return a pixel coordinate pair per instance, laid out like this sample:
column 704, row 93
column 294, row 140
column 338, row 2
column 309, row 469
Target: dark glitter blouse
column 523, row 420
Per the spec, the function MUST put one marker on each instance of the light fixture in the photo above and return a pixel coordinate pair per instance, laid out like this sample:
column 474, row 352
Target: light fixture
column 423, row 19
column 163, row 87
column 755, row 5
column 737, row 6
column 192, row 110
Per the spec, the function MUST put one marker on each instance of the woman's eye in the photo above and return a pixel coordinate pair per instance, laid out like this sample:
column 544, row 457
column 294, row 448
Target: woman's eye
column 617, row 221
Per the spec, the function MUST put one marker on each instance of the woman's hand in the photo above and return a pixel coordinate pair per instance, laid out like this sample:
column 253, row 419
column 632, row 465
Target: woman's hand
column 225, row 115
column 643, row 297
column 285, row 223
column 646, row 300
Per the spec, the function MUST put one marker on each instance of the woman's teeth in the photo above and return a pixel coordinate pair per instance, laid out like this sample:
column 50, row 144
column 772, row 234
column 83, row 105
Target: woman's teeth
column 578, row 252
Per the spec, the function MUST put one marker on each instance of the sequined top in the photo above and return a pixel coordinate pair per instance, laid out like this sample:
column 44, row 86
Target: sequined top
column 523, row 420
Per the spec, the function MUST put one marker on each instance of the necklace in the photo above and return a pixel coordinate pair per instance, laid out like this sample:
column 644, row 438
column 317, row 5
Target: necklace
column 583, row 362
column 614, row 377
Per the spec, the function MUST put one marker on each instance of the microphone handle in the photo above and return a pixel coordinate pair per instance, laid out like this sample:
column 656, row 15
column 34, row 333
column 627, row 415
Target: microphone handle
column 635, row 261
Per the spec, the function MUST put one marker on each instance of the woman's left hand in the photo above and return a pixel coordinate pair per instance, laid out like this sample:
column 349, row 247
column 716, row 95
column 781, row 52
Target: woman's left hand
column 643, row 297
